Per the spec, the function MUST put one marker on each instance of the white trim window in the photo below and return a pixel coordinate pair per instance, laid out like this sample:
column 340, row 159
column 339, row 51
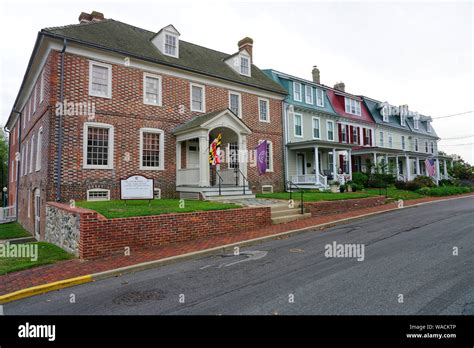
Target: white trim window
column 428, row 126
column 100, row 80
column 403, row 142
column 309, row 95
column 416, row 144
column 152, row 144
column 151, row 89
column 297, row 91
column 98, row 146
column 416, row 123
column 98, row 194
column 32, row 153
column 390, row 141
column 170, row 45
column 403, row 120
column 263, row 110
column 269, row 155
column 330, row 130
column 381, row 138
column 319, row 97
column 316, row 128
column 298, row 125
column 426, row 146
column 198, row 97
column 244, row 65
column 235, row 103
column 352, row 106
column 39, row 146
column 432, row 147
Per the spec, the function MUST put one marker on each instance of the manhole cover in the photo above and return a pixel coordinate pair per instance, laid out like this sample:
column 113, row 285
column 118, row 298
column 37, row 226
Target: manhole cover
column 136, row 297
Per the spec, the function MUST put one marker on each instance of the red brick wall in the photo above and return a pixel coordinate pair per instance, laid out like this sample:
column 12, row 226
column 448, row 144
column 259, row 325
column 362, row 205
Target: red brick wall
column 101, row 237
column 334, row 207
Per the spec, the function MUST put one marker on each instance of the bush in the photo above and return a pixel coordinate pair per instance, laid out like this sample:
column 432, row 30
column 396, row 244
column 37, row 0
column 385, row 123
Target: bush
column 342, row 188
column 424, row 181
column 424, row 191
column 445, row 182
column 357, row 187
column 447, row 191
column 359, row 178
column 412, row 186
column 400, row 185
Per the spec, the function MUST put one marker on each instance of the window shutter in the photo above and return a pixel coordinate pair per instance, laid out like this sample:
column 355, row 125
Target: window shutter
column 340, row 132
column 347, row 133
column 341, row 162
column 364, row 142
column 351, row 132
column 358, row 136
column 370, row 137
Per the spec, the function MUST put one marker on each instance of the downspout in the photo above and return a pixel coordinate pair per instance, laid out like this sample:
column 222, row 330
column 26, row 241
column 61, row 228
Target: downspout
column 60, row 126
column 8, row 163
column 285, row 141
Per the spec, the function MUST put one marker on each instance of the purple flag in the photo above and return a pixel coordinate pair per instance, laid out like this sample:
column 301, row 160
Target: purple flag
column 262, row 157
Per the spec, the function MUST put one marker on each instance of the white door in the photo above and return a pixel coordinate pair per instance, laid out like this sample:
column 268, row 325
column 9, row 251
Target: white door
column 192, row 155
column 37, row 213
column 300, row 164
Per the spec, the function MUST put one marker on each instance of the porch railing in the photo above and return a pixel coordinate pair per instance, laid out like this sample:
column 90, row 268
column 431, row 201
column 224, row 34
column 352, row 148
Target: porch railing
column 304, row 179
column 7, row 213
column 188, row 176
column 323, row 179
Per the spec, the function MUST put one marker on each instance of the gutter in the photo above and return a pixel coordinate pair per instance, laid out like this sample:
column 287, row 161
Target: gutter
column 20, row 115
column 60, row 126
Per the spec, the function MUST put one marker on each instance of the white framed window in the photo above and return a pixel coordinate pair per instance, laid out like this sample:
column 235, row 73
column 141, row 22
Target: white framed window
column 403, row 142
column 34, row 99
column 344, row 135
column 381, row 138
column 316, row 128
column 416, row 123
column 308, row 95
column 297, row 91
column 12, row 174
column 263, row 110
column 39, row 146
column 385, row 112
column 330, row 130
column 198, row 97
column 32, row 153
column 319, row 97
column 98, row 194
column 98, row 146
column 245, row 65
column 390, row 141
column 426, row 147
column 428, row 126
column 171, row 45
column 235, row 103
column 416, row 144
column 152, row 146
column 22, row 162
column 151, row 89
column 269, row 156
column 298, row 125
column 352, row 106
column 432, row 147
column 100, row 79
column 42, row 86
column 25, row 170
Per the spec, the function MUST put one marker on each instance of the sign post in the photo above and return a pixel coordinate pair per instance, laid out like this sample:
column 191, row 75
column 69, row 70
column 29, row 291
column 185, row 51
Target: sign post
column 136, row 187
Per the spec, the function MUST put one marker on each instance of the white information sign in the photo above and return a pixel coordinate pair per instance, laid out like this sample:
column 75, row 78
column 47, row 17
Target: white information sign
column 136, row 187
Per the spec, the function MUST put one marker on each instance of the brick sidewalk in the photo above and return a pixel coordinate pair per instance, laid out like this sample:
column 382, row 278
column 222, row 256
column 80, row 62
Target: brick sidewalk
column 75, row 268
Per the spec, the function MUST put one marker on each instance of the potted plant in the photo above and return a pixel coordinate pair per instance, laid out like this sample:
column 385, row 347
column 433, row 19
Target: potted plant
column 342, row 188
column 334, row 186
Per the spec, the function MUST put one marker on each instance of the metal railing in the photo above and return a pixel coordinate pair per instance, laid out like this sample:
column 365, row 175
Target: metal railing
column 292, row 185
column 245, row 181
column 219, row 181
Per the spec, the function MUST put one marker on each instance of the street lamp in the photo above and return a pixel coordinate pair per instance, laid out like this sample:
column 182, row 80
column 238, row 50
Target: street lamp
column 4, row 196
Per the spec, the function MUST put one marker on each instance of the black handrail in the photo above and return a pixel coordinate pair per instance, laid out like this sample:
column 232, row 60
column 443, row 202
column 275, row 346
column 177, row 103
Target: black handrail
column 220, row 181
column 290, row 184
column 245, row 181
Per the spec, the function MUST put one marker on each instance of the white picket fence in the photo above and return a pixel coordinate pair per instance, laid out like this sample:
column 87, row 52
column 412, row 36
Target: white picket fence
column 7, row 213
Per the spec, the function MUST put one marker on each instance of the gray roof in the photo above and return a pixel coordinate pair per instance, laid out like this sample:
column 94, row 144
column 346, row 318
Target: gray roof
column 113, row 35
column 198, row 121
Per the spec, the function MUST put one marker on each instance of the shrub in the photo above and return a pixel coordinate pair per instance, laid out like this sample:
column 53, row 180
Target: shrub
column 424, row 191
column 445, row 182
column 359, row 178
column 412, row 186
column 400, row 185
column 357, row 187
column 447, row 190
column 342, row 188
column 424, row 181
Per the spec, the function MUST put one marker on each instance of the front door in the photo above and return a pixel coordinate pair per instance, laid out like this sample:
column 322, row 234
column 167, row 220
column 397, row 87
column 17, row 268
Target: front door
column 37, row 216
column 300, row 164
column 192, row 155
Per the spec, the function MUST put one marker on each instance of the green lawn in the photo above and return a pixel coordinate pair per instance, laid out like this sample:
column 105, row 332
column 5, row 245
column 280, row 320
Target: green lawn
column 313, row 196
column 117, row 208
column 12, row 230
column 46, row 253
column 394, row 193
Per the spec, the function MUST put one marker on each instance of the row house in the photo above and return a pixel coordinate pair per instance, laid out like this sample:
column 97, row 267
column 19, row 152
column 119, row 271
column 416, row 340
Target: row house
column 103, row 100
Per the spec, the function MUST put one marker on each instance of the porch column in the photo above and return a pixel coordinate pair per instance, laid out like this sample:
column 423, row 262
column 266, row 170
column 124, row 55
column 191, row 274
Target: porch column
column 407, row 160
column 375, row 162
column 386, row 164
column 418, row 166
column 243, row 164
column 398, row 167
column 445, row 169
column 178, row 162
column 349, row 163
column 334, row 161
column 316, row 164
column 203, row 161
column 437, row 169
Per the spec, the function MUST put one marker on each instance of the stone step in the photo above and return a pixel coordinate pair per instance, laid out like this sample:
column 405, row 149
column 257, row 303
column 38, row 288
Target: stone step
column 229, row 197
column 289, row 218
column 285, row 212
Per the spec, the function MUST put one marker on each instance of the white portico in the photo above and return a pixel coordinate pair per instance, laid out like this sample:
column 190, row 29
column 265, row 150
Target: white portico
column 194, row 174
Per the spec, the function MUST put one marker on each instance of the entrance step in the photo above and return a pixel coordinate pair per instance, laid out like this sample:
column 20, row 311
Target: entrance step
column 229, row 197
column 282, row 214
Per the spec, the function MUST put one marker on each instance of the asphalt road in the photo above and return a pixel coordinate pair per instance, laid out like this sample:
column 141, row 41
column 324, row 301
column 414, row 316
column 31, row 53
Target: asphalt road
column 407, row 252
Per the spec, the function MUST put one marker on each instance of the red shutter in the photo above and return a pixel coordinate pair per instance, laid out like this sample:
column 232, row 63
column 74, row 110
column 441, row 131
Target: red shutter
column 370, row 137
column 351, row 129
column 341, row 162
column 353, row 164
column 363, row 140
column 358, row 136
column 340, row 132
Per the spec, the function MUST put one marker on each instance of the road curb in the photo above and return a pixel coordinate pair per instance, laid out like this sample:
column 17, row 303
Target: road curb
column 40, row 289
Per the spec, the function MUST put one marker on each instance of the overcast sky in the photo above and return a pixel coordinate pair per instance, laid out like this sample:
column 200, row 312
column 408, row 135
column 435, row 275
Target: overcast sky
column 420, row 54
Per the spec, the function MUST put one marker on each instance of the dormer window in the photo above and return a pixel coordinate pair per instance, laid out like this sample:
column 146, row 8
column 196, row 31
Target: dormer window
column 352, row 106
column 171, row 45
column 428, row 126
column 167, row 41
column 245, row 65
column 416, row 123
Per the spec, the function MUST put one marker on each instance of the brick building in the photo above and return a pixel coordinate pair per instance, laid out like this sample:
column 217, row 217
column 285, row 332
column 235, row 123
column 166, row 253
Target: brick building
column 102, row 100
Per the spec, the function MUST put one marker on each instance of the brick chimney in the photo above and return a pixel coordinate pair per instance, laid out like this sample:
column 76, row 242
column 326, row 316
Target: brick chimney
column 340, row 86
column 246, row 44
column 316, row 75
column 94, row 16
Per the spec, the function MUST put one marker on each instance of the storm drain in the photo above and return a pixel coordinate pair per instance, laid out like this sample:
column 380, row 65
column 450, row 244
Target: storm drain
column 134, row 298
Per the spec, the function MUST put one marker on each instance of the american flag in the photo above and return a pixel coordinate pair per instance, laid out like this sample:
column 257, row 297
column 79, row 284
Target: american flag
column 430, row 166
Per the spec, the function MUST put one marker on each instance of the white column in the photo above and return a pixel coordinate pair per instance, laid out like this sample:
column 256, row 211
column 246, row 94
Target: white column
column 349, row 163
column 178, row 161
column 437, row 169
column 398, row 168
column 418, row 166
column 445, row 167
column 316, row 164
column 243, row 161
column 334, row 168
column 203, row 161
column 386, row 163
column 407, row 160
column 375, row 162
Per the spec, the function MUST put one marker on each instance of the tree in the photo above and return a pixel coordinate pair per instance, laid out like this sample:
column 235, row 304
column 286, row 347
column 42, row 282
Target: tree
column 462, row 170
column 3, row 158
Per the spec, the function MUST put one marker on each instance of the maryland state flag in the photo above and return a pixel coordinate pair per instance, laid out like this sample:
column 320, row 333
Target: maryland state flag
column 214, row 150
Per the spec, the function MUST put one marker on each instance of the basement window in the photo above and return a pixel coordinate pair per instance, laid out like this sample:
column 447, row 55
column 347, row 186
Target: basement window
column 98, row 195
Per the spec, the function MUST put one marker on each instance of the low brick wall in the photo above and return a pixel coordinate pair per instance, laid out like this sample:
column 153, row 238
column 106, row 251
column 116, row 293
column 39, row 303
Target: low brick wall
column 99, row 236
column 335, row 207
